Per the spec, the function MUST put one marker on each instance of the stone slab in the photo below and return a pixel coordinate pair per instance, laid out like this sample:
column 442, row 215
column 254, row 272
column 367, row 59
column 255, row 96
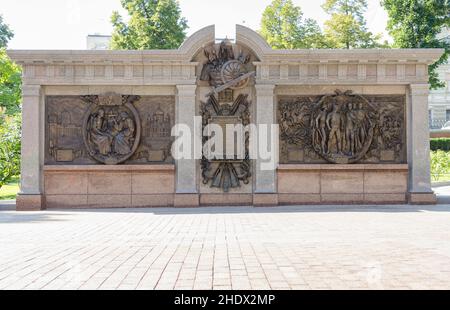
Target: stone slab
column 385, row 198
column 265, row 200
column 30, row 202
column 186, row 200
column 109, row 201
column 66, row 183
column 342, row 198
column 66, row 201
column 299, row 182
column 152, row 183
column 105, row 183
column 338, row 182
column 385, row 182
column 299, row 199
column 226, row 199
column 144, row 201
column 422, row 198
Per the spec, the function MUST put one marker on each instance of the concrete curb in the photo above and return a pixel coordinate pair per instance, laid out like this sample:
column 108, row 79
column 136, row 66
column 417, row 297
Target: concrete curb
column 440, row 184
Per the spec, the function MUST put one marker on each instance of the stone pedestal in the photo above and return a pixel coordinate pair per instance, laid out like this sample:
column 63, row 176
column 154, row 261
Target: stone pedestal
column 30, row 196
column 30, row 202
column 419, row 146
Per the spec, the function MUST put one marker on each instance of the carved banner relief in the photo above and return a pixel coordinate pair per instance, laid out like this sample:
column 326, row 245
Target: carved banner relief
column 342, row 128
column 109, row 129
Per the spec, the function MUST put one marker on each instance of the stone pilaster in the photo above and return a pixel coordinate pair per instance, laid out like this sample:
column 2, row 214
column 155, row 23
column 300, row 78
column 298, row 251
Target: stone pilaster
column 265, row 180
column 420, row 191
column 186, row 171
column 31, row 194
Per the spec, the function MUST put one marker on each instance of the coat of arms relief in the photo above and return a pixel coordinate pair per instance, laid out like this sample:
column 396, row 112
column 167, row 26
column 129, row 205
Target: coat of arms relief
column 227, row 72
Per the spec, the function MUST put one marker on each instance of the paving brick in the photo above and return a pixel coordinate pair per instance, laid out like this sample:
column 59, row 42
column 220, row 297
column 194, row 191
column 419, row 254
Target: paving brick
column 350, row 247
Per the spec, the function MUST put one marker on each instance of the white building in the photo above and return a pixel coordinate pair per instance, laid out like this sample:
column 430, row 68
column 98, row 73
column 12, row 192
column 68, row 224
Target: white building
column 439, row 101
column 98, row 42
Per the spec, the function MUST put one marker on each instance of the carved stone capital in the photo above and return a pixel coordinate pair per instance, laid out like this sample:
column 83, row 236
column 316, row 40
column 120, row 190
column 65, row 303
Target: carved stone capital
column 263, row 90
column 419, row 89
column 186, row 90
column 31, row 90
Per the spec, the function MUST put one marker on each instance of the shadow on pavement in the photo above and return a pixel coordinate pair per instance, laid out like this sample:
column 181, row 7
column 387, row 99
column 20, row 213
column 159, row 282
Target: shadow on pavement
column 274, row 210
column 12, row 216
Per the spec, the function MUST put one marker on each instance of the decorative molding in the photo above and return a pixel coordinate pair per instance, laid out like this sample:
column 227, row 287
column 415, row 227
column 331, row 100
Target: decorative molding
column 172, row 67
column 419, row 89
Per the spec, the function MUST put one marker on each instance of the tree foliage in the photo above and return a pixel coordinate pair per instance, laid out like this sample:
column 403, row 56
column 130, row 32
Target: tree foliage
column 10, row 84
column 416, row 24
column 10, row 128
column 153, row 24
column 283, row 27
column 440, row 165
column 347, row 27
column 5, row 33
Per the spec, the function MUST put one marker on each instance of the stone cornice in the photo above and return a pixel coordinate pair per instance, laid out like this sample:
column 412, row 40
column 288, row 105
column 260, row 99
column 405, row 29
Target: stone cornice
column 175, row 67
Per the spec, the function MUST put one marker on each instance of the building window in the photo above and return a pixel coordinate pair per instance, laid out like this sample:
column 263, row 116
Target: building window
column 430, row 117
column 447, row 115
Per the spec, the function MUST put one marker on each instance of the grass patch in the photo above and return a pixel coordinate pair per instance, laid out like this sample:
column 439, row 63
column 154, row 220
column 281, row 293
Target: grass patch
column 10, row 190
column 441, row 178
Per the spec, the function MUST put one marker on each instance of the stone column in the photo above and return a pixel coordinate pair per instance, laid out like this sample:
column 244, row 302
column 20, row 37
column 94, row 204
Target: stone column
column 31, row 195
column 265, row 180
column 186, row 171
column 420, row 191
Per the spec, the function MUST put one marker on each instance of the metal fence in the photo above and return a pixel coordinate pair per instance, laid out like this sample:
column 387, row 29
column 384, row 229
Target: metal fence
column 437, row 124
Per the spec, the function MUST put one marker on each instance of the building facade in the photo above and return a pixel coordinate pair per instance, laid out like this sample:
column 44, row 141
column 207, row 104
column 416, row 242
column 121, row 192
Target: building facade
column 98, row 42
column 352, row 125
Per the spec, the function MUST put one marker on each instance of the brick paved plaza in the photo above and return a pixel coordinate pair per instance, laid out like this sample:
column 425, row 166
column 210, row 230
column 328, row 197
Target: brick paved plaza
column 398, row 247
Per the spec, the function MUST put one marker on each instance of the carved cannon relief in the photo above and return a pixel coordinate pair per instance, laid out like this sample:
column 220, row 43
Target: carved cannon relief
column 342, row 128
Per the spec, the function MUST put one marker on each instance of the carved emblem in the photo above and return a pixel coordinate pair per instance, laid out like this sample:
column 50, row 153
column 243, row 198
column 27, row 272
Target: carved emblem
column 342, row 128
column 224, row 173
column 111, row 128
column 226, row 73
column 223, row 70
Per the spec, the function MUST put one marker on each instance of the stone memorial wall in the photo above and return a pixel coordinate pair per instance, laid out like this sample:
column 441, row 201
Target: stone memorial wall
column 97, row 125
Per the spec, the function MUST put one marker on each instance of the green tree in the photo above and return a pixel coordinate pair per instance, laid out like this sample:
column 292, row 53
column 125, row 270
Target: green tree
column 283, row 27
column 346, row 27
column 10, row 84
column 5, row 33
column 10, row 128
column 416, row 24
column 153, row 24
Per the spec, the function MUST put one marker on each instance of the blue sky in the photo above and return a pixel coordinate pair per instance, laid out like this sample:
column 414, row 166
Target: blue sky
column 64, row 24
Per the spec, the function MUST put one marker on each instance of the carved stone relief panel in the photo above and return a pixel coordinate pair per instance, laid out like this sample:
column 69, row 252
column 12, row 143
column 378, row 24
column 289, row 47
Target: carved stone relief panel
column 227, row 73
column 342, row 128
column 109, row 129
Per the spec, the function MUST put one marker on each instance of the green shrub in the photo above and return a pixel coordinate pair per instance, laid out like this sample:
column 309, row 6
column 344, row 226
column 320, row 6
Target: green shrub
column 440, row 164
column 440, row 144
column 10, row 127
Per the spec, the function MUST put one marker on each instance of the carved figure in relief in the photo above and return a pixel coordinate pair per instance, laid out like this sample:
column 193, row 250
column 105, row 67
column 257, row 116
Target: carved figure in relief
column 361, row 119
column 334, row 124
column 124, row 129
column 98, row 135
column 350, row 131
column 321, row 125
column 341, row 128
column 112, row 128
